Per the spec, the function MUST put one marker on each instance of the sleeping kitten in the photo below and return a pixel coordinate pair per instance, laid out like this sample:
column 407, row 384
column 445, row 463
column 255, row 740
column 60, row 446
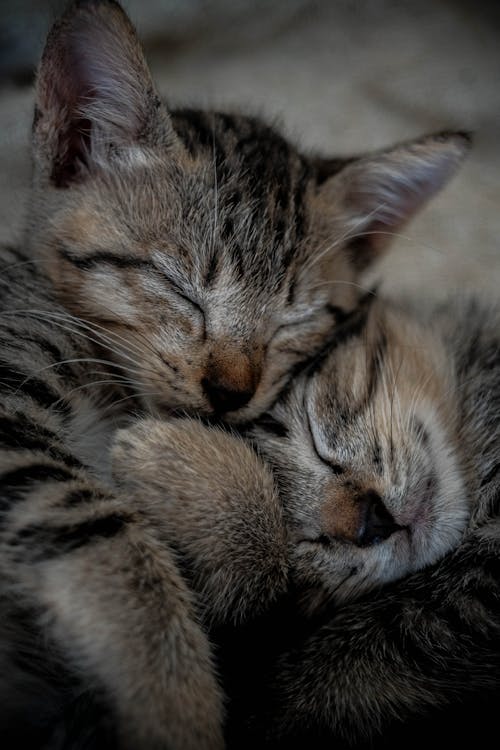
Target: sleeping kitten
column 386, row 456
column 217, row 256
column 173, row 261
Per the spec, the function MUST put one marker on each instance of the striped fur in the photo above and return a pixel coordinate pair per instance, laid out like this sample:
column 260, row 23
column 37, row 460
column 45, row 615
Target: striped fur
column 407, row 405
column 373, row 635
column 91, row 573
column 172, row 261
column 221, row 254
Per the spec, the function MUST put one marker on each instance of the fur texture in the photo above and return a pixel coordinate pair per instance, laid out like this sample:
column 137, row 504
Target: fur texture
column 172, row 261
column 400, row 420
column 219, row 256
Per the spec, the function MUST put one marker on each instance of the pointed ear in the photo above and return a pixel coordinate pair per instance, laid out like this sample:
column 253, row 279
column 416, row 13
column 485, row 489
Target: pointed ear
column 94, row 90
column 375, row 195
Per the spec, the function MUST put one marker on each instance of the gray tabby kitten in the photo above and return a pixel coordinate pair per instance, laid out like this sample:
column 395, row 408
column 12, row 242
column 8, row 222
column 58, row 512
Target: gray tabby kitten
column 172, row 261
column 385, row 456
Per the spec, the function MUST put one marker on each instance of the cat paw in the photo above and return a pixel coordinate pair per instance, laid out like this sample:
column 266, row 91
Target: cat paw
column 217, row 501
column 173, row 458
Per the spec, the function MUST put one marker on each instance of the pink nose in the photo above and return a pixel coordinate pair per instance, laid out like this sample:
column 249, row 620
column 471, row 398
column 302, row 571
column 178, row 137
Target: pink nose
column 230, row 379
column 224, row 399
column 357, row 517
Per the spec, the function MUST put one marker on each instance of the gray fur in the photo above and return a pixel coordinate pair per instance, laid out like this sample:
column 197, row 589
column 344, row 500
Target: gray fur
column 172, row 261
column 364, row 649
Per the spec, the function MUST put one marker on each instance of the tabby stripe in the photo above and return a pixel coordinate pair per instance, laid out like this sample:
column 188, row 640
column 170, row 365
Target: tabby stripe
column 212, row 270
column 237, row 254
column 28, row 385
column 272, row 426
column 47, row 347
column 290, row 298
column 204, row 126
column 490, row 475
column 352, row 325
column 54, row 541
column 88, row 262
column 19, row 433
column 18, row 481
column 197, row 121
column 83, row 497
column 15, row 251
column 495, row 505
column 338, row 313
column 19, row 340
column 377, row 457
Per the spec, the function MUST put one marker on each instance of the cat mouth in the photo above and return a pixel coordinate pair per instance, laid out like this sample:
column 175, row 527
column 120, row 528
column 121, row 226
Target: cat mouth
column 327, row 542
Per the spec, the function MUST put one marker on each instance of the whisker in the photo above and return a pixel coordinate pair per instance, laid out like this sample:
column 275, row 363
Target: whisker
column 134, row 396
column 55, row 319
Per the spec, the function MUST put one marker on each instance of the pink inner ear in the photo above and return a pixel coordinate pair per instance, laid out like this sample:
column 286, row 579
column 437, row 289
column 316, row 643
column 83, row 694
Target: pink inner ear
column 74, row 146
column 92, row 79
column 383, row 193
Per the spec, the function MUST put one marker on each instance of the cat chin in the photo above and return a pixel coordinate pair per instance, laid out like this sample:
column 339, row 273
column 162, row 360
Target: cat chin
column 342, row 572
column 338, row 572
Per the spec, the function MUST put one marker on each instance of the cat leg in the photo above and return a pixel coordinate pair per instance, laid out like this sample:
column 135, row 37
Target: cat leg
column 110, row 595
column 218, row 501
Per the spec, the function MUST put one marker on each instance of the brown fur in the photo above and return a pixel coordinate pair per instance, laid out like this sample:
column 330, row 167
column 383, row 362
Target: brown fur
column 216, row 254
column 370, row 417
column 184, row 260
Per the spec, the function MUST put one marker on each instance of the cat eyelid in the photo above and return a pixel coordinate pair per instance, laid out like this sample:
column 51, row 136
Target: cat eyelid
column 336, row 469
column 178, row 291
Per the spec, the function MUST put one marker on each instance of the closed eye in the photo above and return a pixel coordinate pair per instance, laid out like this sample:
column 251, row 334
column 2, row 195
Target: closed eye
column 333, row 467
column 178, row 291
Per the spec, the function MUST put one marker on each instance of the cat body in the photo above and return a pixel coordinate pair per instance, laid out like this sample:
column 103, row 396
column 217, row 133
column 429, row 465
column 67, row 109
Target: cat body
column 372, row 545
column 123, row 603
column 172, row 262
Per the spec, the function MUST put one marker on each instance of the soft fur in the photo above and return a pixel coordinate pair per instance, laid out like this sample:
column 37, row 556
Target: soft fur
column 404, row 409
column 172, row 261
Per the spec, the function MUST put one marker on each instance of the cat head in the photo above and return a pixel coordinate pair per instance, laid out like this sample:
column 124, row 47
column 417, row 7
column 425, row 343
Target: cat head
column 367, row 455
column 208, row 256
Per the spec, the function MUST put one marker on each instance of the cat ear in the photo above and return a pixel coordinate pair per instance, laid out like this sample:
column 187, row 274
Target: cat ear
column 94, row 91
column 375, row 195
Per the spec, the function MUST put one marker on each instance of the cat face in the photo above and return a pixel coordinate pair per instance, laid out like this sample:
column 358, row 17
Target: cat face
column 368, row 460
column 205, row 255
column 206, row 289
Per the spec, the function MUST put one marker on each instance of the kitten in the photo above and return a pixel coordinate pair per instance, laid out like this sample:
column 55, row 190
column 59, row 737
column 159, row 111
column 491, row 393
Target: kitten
column 218, row 255
column 386, row 455
column 172, row 261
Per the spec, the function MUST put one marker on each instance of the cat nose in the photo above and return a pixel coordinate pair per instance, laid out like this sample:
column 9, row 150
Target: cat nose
column 224, row 399
column 361, row 519
column 230, row 380
column 375, row 521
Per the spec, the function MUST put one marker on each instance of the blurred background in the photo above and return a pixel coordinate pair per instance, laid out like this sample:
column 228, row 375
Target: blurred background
column 341, row 77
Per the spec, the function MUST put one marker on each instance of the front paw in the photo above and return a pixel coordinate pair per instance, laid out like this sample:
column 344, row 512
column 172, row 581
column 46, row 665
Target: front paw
column 175, row 459
column 218, row 503
column 137, row 452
